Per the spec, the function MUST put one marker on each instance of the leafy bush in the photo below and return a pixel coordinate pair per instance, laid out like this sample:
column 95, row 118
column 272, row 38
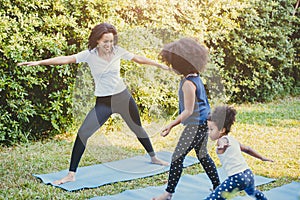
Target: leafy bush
column 258, row 56
column 295, row 38
column 37, row 101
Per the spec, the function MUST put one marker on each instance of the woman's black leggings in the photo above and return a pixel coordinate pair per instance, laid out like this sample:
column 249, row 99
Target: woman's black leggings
column 193, row 137
column 121, row 103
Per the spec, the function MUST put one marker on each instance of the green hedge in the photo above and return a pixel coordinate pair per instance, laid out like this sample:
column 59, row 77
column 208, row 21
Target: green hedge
column 254, row 49
column 259, row 56
column 37, row 102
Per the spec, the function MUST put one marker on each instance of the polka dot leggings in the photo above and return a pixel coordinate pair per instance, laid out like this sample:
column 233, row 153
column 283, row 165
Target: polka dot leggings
column 193, row 137
column 237, row 182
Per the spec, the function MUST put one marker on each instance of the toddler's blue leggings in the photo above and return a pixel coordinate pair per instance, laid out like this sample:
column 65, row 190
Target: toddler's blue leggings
column 237, row 182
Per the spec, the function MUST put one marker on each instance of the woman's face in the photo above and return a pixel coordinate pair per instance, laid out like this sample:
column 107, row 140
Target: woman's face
column 106, row 42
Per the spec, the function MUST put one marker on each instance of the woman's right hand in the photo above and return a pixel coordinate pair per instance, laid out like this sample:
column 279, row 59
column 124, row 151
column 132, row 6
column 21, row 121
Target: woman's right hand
column 60, row 60
column 30, row 63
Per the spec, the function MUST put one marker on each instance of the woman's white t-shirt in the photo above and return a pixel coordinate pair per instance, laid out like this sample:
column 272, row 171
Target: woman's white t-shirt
column 232, row 159
column 106, row 74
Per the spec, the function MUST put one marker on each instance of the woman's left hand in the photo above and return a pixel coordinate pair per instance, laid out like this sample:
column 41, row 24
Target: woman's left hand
column 165, row 67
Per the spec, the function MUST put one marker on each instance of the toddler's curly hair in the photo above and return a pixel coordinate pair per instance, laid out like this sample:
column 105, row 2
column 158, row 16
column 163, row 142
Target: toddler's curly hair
column 223, row 116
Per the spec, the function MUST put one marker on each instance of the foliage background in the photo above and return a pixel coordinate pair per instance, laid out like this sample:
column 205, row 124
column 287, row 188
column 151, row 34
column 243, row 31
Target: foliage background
column 254, row 48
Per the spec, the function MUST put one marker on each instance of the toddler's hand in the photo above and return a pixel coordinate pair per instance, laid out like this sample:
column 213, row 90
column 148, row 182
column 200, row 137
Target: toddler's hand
column 223, row 147
column 222, row 144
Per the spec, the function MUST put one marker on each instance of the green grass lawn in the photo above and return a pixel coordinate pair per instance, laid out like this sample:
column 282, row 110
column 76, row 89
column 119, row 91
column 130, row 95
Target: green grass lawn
column 272, row 129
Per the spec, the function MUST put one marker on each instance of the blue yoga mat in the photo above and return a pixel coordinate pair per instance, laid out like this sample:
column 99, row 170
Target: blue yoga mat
column 112, row 172
column 192, row 187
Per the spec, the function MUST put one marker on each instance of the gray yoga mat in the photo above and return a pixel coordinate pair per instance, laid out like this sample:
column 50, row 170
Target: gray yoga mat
column 112, row 172
column 191, row 187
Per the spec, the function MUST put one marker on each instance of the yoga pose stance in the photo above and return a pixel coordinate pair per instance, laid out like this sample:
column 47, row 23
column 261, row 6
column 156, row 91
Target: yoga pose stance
column 229, row 150
column 187, row 58
column 103, row 57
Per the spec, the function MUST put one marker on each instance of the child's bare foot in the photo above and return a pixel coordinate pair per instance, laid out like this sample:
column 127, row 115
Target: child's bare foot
column 164, row 196
column 158, row 161
column 69, row 178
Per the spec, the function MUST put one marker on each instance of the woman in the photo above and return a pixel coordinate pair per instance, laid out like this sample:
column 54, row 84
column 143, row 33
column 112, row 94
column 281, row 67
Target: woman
column 103, row 57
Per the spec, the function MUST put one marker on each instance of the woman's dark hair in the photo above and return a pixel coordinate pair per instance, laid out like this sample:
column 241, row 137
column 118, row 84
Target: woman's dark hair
column 223, row 116
column 98, row 31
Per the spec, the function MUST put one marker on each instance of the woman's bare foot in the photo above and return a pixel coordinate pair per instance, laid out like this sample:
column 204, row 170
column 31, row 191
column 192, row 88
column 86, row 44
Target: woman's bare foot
column 158, row 161
column 164, row 196
column 69, row 178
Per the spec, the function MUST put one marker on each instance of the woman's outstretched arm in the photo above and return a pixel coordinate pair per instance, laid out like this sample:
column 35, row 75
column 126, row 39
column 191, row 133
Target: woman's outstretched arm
column 147, row 61
column 60, row 60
